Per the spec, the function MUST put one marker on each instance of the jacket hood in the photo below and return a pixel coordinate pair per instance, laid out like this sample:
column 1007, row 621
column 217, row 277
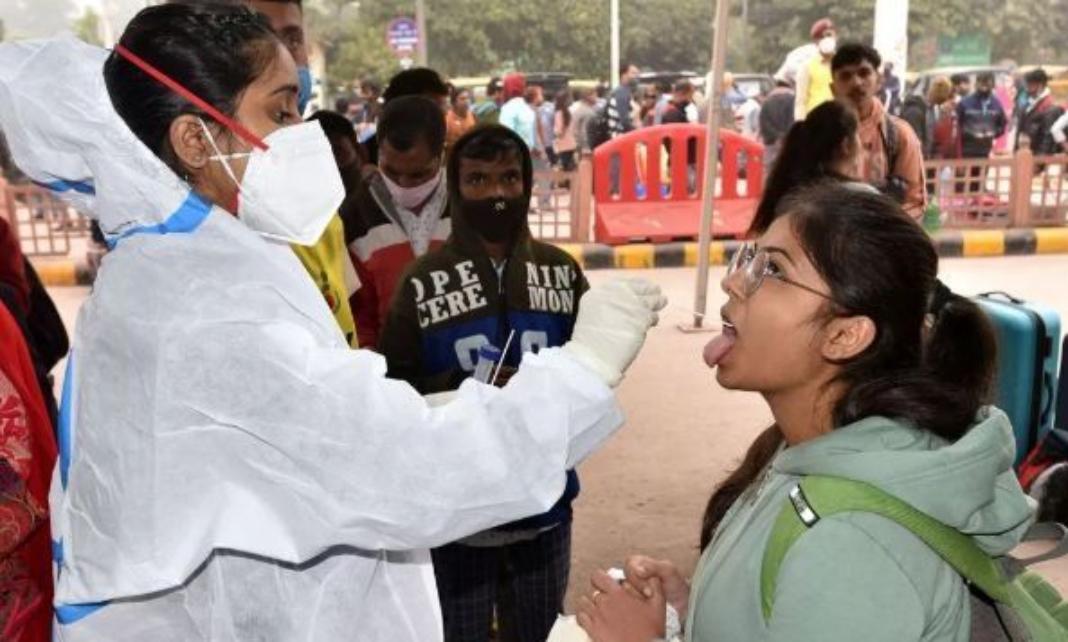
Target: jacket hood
column 968, row 485
column 462, row 231
column 65, row 135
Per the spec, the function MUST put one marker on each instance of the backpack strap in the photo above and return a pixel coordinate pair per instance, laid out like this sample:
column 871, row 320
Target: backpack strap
column 889, row 132
column 817, row 497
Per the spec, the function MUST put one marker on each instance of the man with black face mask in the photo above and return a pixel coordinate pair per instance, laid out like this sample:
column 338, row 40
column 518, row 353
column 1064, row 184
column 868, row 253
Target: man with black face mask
column 489, row 281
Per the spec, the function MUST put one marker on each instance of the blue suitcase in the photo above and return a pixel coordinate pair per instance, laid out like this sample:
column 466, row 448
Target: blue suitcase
column 1061, row 419
column 1029, row 346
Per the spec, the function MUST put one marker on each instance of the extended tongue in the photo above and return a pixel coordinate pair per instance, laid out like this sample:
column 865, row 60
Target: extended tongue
column 718, row 348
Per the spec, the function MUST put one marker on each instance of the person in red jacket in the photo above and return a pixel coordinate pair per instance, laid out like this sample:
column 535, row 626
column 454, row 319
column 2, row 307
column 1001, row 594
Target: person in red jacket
column 27, row 455
column 401, row 212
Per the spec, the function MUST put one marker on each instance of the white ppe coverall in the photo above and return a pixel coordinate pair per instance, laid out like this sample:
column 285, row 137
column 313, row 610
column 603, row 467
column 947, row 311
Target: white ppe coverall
column 229, row 469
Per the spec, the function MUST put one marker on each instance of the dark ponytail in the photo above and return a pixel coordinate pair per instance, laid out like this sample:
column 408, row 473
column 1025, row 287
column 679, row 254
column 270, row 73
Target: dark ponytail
column 809, row 152
column 932, row 363
column 214, row 50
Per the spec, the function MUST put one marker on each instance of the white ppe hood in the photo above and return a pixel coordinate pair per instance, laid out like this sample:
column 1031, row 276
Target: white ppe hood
column 65, row 134
column 229, row 469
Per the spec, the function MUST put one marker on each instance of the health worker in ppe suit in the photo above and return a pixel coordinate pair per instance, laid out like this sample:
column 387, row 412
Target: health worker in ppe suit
column 229, row 468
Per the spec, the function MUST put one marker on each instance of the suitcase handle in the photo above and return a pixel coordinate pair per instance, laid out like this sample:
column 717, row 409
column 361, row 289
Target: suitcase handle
column 1003, row 295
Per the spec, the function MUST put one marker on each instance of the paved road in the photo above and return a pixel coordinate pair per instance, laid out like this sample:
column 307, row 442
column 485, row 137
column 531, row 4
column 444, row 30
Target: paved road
column 645, row 491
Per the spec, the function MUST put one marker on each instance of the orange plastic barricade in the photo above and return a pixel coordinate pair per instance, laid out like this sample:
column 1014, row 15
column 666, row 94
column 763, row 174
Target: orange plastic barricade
column 648, row 184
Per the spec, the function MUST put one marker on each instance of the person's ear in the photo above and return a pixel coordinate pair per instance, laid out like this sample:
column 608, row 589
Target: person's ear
column 847, row 337
column 189, row 142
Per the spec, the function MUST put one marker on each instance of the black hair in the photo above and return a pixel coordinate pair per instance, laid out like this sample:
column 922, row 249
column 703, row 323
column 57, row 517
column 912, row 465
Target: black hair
column 493, row 87
column 682, row 85
column 931, row 366
column 420, row 81
column 985, row 77
column 456, row 91
column 370, row 87
column 491, row 145
column 299, row 3
column 664, row 87
column 624, row 67
column 341, row 104
column 808, row 152
column 959, row 79
column 1036, row 76
column 855, row 53
column 335, row 126
column 410, row 120
column 172, row 38
column 562, row 105
column 208, row 3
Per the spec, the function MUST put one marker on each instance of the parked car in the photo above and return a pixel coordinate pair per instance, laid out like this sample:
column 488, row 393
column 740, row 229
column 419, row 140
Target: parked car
column 551, row 82
column 922, row 84
column 650, row 79
column 754, row 85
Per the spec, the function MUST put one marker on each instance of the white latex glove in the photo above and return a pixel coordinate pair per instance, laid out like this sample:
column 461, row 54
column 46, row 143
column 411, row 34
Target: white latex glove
column 613, row 320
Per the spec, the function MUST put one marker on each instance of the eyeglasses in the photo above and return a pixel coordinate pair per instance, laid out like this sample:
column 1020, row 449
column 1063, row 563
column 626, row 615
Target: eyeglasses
column 755, row 265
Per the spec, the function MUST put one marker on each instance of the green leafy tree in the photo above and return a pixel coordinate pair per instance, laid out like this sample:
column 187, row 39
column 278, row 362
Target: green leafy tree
column 482, row 37
column 87, row 27
column 354, row 47
column 35, row 18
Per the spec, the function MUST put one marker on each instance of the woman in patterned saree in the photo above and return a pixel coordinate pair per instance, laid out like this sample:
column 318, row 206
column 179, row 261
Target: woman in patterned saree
column 27, row 455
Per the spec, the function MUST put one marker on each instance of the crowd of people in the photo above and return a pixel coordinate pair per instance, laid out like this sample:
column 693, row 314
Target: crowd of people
column 231, row 466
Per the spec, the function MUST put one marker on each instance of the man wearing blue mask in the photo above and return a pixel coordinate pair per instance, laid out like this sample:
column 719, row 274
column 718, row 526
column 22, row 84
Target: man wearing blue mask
column 287, row 21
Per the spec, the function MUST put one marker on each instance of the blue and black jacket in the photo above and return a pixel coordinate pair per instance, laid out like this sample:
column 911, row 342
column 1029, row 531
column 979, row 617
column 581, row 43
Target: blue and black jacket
column 982, row 120
column 451, row 302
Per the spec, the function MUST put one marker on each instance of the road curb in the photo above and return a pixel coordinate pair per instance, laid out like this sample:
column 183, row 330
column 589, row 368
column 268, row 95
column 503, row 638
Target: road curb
column 642, row 256
column 950, row 244
column 62, row 272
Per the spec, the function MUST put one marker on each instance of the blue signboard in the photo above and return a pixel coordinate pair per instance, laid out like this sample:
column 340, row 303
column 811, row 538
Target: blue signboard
column 402, row 34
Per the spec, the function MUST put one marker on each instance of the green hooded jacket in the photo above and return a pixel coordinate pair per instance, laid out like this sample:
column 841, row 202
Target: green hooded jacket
column 858, row 576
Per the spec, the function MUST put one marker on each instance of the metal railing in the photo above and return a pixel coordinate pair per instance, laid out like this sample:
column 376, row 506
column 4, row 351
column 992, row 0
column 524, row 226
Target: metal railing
column 561, row 204
column 44, row 224
column 1000, row 192
column 1018, row 191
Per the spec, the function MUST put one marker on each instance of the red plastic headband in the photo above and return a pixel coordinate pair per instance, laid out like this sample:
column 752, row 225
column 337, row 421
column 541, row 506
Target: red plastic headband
column 173, row 85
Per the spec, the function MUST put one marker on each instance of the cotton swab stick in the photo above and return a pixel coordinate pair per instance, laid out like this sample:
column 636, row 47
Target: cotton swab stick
column 504, row 354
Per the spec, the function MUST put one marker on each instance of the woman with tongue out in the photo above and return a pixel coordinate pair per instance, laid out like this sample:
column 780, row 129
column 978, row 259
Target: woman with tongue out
column 873, row 371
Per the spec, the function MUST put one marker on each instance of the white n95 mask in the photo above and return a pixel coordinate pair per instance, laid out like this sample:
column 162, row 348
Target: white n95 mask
column 292, row 189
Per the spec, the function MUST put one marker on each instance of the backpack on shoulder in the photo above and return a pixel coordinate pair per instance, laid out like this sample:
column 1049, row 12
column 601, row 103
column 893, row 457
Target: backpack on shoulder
column 598, row 128
column 1008, row 602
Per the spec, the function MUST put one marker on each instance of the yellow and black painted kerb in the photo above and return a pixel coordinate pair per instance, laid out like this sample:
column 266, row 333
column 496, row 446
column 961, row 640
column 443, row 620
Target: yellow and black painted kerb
column 592, row 256
column 950, row 244
column 55, row 273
